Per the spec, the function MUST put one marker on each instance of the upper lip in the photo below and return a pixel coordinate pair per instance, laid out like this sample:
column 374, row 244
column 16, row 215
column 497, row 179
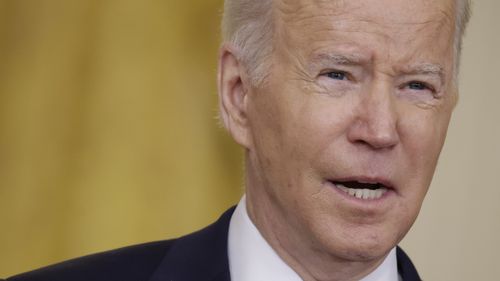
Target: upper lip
column 387, row 183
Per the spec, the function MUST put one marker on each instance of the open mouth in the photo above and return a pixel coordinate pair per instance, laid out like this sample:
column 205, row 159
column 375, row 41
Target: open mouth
column 366, row 191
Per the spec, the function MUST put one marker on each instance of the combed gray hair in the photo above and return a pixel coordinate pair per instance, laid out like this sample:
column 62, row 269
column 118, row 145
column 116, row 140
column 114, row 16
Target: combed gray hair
column 464, row 11
column 248, row 25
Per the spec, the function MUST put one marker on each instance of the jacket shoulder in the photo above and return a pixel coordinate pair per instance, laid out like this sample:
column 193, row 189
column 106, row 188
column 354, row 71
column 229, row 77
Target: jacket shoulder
column 131, row 263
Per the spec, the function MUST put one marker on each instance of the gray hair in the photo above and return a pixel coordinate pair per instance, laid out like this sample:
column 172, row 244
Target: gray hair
column 464, row 11
column 248, row 25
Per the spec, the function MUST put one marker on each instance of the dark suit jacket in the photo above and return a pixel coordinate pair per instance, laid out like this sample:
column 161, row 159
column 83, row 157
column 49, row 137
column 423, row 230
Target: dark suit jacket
column 200, row 256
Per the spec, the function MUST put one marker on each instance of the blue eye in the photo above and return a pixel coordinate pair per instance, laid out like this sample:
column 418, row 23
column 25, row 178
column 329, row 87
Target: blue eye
column 417, row 86
column 337, row 75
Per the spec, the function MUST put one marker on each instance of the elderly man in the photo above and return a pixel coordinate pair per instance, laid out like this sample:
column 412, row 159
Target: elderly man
column 342, row 108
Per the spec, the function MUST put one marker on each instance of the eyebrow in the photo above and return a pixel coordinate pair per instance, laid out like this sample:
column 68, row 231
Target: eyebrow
column 431, row 69
column 425, row 69
column 353, row 59
column 348, row 59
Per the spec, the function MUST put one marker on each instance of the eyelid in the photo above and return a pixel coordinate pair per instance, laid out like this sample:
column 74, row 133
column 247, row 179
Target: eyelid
column 428, row 85
column 330, row 70
column 430, row 89
column 347, row 74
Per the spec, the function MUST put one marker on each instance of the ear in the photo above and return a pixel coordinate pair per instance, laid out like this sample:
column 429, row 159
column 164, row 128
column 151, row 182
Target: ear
column 233, row 96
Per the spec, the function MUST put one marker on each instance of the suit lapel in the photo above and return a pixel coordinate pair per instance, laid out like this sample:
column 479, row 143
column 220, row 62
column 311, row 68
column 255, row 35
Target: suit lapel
column 405, row 267
column 201, row 256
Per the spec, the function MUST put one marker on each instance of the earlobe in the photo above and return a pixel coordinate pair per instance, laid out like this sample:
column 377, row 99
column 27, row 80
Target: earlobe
column 233, row 96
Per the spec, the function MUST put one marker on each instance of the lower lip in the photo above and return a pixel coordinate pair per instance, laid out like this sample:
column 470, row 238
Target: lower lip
column 363, row 203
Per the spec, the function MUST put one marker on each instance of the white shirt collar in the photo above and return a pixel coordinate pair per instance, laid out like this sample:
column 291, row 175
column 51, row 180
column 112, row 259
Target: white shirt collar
column 251, row 258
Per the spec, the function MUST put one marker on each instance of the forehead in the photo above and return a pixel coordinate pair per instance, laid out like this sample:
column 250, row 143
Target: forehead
column 379, row 11
column 398, row 27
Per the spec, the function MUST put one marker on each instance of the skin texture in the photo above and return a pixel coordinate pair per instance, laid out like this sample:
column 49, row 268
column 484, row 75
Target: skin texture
column 359, row 90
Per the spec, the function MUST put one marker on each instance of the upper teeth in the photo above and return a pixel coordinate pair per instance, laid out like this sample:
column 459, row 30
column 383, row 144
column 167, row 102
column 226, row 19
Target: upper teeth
column 363, row 193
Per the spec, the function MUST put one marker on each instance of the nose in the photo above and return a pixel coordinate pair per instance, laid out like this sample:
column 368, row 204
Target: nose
column 376, row 120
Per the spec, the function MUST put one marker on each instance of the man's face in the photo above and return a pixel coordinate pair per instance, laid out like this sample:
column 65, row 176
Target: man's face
column 345, row 136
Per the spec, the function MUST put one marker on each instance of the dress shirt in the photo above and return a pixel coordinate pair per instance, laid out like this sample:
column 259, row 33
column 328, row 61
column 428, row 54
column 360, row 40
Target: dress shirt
column 251, row 258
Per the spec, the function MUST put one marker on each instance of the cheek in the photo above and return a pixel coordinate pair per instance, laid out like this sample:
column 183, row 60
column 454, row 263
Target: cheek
column 422, row 138
column 277, row 130
column 317, row 123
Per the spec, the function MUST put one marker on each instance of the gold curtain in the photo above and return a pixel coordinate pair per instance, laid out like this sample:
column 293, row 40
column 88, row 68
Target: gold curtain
column 108, row 130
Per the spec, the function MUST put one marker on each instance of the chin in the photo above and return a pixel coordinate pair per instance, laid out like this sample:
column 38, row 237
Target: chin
column 359, row 243
column 367, row 252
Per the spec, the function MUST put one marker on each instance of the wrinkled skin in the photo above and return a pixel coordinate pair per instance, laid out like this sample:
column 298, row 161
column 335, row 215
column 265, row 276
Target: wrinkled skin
column 360, row 90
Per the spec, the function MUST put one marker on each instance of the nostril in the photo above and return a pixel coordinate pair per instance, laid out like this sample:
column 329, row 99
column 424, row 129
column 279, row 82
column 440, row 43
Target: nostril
column 374, row 137
column 376, row 144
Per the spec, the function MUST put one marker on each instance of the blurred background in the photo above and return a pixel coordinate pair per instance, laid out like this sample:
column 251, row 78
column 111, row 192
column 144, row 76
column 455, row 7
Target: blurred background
column 108, row 136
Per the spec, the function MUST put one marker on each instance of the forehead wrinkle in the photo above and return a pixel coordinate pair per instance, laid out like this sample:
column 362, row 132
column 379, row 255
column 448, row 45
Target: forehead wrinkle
column 440, row 21
column 327, row 19
column 301, row 12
